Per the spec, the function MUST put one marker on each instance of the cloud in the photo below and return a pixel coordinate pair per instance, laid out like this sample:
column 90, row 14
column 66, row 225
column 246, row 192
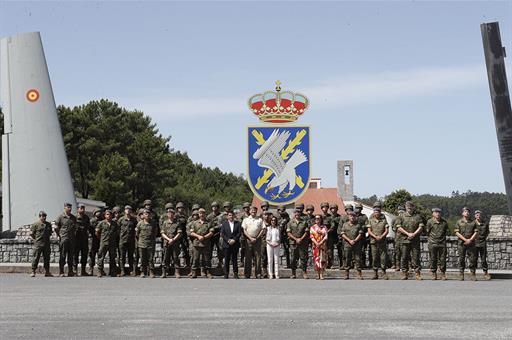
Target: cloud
column 342, row 91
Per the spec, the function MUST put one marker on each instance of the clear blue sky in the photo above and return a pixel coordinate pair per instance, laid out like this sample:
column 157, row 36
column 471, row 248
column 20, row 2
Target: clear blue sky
column 399, row 87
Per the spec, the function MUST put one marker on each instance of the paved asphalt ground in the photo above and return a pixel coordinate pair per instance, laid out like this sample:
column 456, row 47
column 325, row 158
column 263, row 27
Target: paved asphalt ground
column 118, row 308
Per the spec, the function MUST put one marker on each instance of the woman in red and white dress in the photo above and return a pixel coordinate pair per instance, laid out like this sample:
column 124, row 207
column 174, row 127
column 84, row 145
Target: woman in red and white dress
column 318, row 235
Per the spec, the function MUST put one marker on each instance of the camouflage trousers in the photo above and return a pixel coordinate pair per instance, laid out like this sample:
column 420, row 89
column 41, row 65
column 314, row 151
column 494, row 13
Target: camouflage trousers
column 81, row 250
column 201, row 258
column 147, row 258
column 352, row 254
column 172, row 252
column 397, row 256
column 216, row 243
column 470, row 251
column 411, row 256
column 299, row 253
column 93, row 251
column 126, row 253
column 481, row 251
column 66, row 250
column 252, row 250
column 45, row 251
column 332, row 242
column 437, row 254
column 112, row 254
column 379, row 254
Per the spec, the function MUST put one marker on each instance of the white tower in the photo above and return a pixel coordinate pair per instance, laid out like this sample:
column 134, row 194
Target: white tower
column 35, row 169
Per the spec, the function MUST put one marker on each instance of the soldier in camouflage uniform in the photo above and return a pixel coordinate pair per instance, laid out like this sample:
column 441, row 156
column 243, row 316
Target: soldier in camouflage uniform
column 467, row 232
column 335, row 223
column 378, row 229
column 127, row 225
column 171, row 234
column 201, row 233
column 107, row 231
column 399, row 237
column 264, row 256
column 155, row 223
column 298, row 236
column 82, row 239
column 282, row 220
column 310, row 215
column 213, row 219
column 481, row 241
column 66, row 231
column 182, row 218
column 352, row 233
column 330, row 238
column 145, row 233
column 116, row 215
column 95, row 242
column 437, row 230
column 410, row 224
column 40, row 232
column 264, row 208
column 365, row 243
column 245, row 207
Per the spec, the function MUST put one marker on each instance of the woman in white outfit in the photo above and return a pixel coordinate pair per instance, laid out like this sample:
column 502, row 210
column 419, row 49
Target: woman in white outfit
column 273, row 247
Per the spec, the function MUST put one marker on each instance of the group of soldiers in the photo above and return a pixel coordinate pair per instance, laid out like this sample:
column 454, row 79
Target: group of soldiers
column 130, row 239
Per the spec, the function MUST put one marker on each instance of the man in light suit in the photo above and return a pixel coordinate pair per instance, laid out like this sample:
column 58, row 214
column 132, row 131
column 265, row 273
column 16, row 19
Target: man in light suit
column 230, row 232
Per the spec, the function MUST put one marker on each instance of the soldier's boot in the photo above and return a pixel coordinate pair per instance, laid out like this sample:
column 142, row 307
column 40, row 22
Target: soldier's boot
column 164, row 273
column 418, row 276
column 461, row 276
column 473, row 276
column 293, row 274
column 177, row 273
column 209, row 274
column 47, row 273
column 143, row 272
column 443, row 276
column 33, row 274
column 100, row 273
column 193, row 274
column 91, row 271
column 151, row 274
column 359, row 275
column 346, row 274
column 375, row 275
column 83, row 272
column 486, row 275
column 61, row 273
column 75, row 269
column 384, row 275
column 71, row 273
column 305, row 275
column 434, row 276
column 404, row 275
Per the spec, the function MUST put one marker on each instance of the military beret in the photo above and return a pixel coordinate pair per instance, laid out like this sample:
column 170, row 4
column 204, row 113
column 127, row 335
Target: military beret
column 436, row 210
column 246, row 205
column 377, row 204
column 409, row 203
column 227, row 204
column 264, row 204
column 299, row 205
column 195, row 206
column 324, row 204
column 148, row 202
column 478, row 212
column 358, row 205
column 67, row 204
column 116, row 209
column 108, row 211
column 349, row 207
column 281, row 208
column 128, row 207
column 333, row 205
column 215, row 204
column 466, row 208
column 310, row 207
column 180, row 205
column 169, row 206
column 42, row 213
column 81, row 205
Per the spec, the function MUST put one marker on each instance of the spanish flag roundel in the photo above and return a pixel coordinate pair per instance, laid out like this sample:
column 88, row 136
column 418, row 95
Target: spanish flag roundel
column 32, row 95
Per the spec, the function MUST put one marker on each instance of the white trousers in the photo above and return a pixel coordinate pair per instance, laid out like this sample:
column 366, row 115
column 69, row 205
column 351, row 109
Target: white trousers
column 273, row 260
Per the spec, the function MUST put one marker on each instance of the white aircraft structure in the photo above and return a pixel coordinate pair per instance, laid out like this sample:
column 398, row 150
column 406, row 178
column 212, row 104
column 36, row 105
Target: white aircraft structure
column 35, row 168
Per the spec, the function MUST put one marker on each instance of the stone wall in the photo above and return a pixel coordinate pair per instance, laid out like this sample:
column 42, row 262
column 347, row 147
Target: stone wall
column 499, row 252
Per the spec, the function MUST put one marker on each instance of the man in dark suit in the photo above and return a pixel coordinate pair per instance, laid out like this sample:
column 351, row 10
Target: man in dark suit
column 230, row 232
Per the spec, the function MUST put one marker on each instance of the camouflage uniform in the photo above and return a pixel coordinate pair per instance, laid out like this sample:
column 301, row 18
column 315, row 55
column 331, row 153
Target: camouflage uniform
column 82, row 241
column 399, row 237
column 436, row 234
column 171, row 229
column 298, row 228
column 352, row 253
column 481, row 243
column 365, row 242
column 466, row 228
column 215, row 223
column 184, row 241
column 335, row 223
column 95, row 242
column 201, row 253
column 41, row 232
column 146, row 238
column 327, row 219
column 127, row 227
column 282, row 221
column 66, row 229
column 378, row 226
column 410, row 248
column 108, row 234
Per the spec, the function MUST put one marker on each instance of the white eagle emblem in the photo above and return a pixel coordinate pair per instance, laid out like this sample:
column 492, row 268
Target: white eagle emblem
column 269, row 156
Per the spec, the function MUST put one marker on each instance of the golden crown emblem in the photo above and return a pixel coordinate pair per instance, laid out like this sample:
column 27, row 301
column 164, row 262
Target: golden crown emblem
column 278, row 107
